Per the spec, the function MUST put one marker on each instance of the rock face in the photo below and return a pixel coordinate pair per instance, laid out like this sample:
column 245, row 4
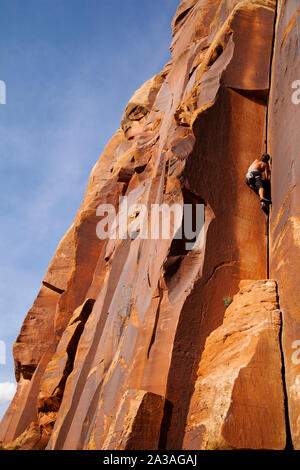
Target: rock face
column 108, row 355
column 284, row 144
column 136, row 424
column 238, row 401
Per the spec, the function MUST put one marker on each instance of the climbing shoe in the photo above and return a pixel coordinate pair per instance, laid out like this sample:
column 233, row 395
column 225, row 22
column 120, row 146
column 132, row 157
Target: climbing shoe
column 266, row 201
column 265, row 208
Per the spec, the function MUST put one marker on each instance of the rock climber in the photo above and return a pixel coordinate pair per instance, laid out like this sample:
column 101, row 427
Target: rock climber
column 258, row 177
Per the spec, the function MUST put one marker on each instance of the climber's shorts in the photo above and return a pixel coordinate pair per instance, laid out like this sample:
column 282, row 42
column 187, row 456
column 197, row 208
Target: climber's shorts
column 254, row 180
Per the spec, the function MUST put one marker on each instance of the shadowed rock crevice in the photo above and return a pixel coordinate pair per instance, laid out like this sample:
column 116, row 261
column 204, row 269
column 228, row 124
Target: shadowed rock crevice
column 53, row 402
column 187, row 247
column 258, row 96
column 59, row 369
column 181, row 16
column 71, row 350
column 25, row 371
column 215, row 55
column 137, row 422
column 160, row 294
column 55, row 289
column 289, row 442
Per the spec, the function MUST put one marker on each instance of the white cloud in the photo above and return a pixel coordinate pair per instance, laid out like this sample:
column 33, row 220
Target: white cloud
column 7, row 391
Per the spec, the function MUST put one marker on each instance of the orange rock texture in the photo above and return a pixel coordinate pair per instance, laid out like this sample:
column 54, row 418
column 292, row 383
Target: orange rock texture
column 238, row 401
column 284, row 145
column 108, row 356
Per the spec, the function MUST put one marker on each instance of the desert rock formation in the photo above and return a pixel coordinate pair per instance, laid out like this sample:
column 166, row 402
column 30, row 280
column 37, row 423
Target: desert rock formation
column 127, row 345
column 238, row 401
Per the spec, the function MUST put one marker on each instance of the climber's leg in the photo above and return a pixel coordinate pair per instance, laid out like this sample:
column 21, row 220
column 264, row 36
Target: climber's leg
column 261, row 190
column 262, row 197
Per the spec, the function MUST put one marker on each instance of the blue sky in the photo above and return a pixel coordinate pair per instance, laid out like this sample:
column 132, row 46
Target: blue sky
column 70, row 67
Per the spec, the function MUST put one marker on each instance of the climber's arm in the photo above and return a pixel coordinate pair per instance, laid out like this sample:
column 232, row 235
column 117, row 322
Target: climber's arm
column 267, row 172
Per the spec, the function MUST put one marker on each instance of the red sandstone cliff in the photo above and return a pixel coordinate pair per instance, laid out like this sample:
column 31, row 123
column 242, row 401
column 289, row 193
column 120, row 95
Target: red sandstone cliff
column 127, row 345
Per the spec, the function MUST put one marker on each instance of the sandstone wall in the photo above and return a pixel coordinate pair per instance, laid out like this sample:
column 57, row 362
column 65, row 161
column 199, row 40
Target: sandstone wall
column 238, row 401
column 115, row 337
column 284, row 145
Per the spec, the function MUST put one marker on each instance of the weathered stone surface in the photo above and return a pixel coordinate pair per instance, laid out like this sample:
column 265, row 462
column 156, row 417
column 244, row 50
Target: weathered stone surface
column 136, row 425
column 12, row 415
column 36, row 334
column 23, row 409
column 238, row 401
column 73, row 265
column 187, row 136
column 283, row 145
column 140, row 105
column 53, row 382
column 28, row 440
